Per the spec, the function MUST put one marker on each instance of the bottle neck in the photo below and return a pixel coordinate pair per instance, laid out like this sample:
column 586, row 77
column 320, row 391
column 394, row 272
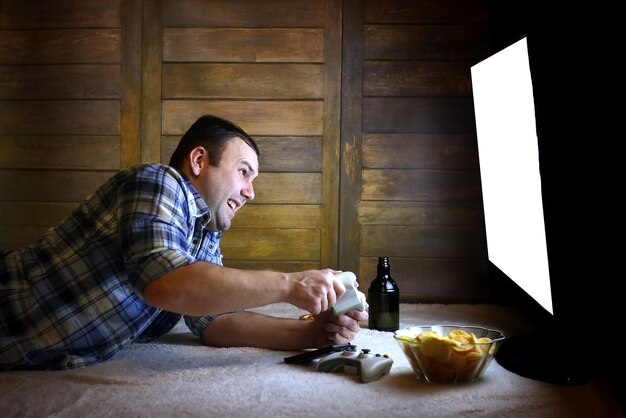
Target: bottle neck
column 383, row 268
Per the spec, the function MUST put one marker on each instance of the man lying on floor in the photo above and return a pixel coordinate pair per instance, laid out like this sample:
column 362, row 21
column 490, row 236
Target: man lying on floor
column 144, row 250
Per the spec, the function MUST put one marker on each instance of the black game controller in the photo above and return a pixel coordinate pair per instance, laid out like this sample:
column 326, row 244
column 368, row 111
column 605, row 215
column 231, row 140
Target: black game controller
column 311, row 355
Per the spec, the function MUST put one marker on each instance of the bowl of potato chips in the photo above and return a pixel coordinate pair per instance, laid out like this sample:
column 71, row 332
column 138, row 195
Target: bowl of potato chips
column 449, row 353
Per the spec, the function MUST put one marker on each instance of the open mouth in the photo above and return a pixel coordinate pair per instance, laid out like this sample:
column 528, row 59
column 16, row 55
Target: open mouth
column 232, row 204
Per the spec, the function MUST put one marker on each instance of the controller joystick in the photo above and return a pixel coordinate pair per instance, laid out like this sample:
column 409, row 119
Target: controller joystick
column 353, row 298
column 368, row 366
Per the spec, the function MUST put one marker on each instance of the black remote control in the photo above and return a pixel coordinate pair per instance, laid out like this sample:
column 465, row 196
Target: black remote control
column 315, row 354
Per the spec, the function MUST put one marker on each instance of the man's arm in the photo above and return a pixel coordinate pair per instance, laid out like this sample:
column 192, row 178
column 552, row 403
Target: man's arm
column 249, row 329
column 203, row 288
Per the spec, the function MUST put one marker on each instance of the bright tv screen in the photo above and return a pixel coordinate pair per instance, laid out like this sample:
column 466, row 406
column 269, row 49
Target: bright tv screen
column 509, row 170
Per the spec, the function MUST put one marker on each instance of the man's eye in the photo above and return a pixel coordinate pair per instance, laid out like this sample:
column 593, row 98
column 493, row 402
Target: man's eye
column 243, row 171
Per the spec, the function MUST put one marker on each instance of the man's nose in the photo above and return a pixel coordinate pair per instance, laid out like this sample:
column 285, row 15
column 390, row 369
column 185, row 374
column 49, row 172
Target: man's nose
column 248, row 191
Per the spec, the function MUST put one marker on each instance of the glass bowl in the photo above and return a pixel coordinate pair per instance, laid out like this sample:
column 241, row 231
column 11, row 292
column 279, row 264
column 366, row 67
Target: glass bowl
column 449, row 353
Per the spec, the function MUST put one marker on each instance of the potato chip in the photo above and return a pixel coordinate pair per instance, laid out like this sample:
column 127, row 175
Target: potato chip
column 461, row 348
column 431, row 333
column 460, row 336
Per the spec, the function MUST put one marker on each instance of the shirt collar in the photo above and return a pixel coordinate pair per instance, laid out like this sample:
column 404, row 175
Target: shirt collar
column 197, row 205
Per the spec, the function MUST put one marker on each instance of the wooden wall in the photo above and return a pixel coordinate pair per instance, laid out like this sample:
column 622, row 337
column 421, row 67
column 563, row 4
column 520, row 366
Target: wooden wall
column 62, row 93
column 274, row 68
column 362, row 110
column 411, row 185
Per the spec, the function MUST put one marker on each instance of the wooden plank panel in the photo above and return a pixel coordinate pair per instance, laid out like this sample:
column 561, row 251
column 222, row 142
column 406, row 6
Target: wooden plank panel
column 44, row 214
column 243, row 45
column 421, row 185
column 278, row 154
column 168, row 146
column 351, row 124
column 60, row 82
column 88, row 117
column 242, row 13
column 435, row 43
column 64, row 46
column 279, row 216
column 419, row 115
column 152, row 58
column 422, row 241
column 300, row 118
column 433, row 280
column 38, row 14
column 444, row 151
column 298, row 188
column 131, row 111
column 421, row 213
column 274, row 265
column 271, row 244
column 296, row 154
column 417, row 78
column 243, row 81
column 419, row 11
column 49, row 186
column 14, row 237
column 60, row 152
column 333, row 44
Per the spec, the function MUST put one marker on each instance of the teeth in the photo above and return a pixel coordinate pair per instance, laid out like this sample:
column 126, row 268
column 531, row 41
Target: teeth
column 231, row 204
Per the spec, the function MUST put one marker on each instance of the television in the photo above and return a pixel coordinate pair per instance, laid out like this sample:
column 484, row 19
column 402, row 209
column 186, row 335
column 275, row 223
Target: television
column 519, row 179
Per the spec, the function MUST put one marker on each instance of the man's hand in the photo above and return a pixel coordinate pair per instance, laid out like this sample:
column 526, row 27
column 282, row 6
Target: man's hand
column 338, row 329
column 315, row 290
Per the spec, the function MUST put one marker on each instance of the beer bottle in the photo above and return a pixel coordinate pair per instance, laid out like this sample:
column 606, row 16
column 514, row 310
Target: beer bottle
column 383, row 297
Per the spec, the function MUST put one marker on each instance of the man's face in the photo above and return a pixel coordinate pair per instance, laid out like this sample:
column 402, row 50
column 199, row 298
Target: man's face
column 227, row 187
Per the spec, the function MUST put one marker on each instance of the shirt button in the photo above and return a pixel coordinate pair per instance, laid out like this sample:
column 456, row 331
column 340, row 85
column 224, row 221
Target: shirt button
column 195, row 241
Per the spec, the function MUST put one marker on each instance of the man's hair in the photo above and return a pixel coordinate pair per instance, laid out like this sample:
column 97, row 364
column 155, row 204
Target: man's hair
column 212, row 133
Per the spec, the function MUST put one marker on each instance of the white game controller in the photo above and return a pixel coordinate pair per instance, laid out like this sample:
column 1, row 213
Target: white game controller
column 353, row 298
column 368, row 366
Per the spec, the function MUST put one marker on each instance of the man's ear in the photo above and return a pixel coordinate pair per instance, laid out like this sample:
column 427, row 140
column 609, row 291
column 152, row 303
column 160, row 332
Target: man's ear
column 198, row 159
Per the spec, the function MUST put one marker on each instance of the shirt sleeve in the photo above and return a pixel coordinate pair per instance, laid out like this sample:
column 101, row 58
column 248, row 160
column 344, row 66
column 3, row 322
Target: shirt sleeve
column 154, row 225
column 196, row 324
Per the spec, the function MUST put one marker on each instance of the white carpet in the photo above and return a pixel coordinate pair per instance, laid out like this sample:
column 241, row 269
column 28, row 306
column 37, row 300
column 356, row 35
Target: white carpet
column 177, row 377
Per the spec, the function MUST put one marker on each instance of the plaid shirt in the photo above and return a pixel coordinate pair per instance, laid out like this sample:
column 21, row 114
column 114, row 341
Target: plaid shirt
column 74, row 297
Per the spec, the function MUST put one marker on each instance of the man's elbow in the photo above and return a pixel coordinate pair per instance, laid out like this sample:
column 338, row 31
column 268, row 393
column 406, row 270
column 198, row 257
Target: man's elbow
column 159, row 295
